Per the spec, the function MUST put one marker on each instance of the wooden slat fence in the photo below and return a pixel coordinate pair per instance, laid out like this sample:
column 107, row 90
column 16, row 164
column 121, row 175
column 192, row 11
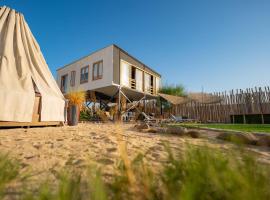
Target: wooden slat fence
column 252, row 101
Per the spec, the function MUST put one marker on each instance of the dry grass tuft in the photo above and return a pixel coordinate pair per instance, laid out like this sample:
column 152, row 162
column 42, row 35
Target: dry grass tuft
column 76, row 97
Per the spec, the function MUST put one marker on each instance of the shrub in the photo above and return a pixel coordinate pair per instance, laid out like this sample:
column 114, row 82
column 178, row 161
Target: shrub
column 76, row 97
column 9, row 171
column 176, row 90
column 202, row 173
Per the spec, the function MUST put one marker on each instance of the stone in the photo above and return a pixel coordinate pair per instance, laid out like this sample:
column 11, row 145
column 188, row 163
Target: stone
column 263, row 140
column 155, row 155
column 142, row 126
column 105, row 161
column 161, row 129
column 224, row 136
column 37, row 145
column 156, row 148
column 23, row 165
column 242, row 138
column 152, row 130
column 194, row 134
column 93, row 133
column 107, row 140
column 76, row 161
column 181, row 131
column 113, row 149
column 29, row 156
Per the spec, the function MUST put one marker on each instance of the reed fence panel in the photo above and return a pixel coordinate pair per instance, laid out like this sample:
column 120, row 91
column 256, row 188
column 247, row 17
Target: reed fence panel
column 244, row 103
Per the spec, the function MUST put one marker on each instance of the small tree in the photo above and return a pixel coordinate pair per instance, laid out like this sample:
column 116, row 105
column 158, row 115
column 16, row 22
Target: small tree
column 173, row 89
column 176, row 90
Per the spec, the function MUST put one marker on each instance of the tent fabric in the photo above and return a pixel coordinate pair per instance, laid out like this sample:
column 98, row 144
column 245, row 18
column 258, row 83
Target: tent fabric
column 21, row 64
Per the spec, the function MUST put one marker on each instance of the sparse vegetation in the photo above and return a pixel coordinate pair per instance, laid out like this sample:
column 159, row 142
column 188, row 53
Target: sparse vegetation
column 87, row 115
column 9, row 170
column 196, row 173
column 235, row 127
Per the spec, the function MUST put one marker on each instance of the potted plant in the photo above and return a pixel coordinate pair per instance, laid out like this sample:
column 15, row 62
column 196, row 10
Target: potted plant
column 75, row 101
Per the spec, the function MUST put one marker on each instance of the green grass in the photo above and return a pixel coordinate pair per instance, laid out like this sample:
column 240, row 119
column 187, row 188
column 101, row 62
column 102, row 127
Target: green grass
column 9, row 171
column 263, row 128
column 196, row 173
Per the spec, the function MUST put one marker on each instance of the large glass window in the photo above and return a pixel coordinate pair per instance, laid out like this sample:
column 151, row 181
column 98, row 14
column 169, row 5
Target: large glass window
column 84, row 74
column 139, row 80
column 98, row 70
column 147, row 82
column 125, row 74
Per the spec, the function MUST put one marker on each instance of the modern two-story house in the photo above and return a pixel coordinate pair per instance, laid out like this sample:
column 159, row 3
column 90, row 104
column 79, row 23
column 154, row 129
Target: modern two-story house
column 105, row 70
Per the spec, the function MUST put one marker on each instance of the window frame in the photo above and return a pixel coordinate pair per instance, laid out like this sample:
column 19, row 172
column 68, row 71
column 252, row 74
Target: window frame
column 94, row 78
column 84, row 81
column 73, row 81
column 62, row 78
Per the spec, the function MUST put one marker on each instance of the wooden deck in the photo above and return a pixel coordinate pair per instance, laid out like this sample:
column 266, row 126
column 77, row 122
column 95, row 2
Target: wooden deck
column 28, row 124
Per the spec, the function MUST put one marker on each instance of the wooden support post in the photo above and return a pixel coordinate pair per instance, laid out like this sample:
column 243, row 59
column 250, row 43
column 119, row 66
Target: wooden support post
column 244, row 118
column 262, row 118
column 161, row 109
column 119, row 103
column 144, row 106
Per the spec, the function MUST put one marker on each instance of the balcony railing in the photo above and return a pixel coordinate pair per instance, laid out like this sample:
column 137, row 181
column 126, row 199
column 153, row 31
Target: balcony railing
column 133, row 84
column 150, row 89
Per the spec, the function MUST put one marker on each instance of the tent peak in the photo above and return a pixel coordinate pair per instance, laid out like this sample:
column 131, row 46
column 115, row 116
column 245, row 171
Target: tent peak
column 11, row 9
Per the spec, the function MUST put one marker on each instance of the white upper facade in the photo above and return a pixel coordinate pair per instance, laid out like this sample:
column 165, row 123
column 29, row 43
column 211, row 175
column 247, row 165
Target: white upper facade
column 107, row 67
column 105, row 56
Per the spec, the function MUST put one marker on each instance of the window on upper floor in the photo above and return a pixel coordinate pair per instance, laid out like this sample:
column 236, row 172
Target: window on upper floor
column 148, row 83
column 64, row 83
column 98, row 70
column 84, row 74
column 72, row 78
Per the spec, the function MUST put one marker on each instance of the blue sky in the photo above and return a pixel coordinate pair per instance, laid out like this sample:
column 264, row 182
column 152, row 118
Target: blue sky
column 214, row 44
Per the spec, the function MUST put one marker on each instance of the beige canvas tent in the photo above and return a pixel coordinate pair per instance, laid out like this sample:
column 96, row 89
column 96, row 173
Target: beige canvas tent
column 28, row 91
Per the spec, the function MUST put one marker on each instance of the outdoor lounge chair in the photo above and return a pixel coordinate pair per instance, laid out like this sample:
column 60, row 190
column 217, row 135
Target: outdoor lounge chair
column 149, row 119
column 180, row 119
column 177, row 119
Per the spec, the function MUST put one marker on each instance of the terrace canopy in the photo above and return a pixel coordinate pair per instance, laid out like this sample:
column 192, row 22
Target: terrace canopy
column 175, row 100
column 203, row 98
column 23, row 70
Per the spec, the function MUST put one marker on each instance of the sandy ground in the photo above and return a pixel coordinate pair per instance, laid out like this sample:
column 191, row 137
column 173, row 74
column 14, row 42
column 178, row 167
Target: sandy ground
column 43, row 151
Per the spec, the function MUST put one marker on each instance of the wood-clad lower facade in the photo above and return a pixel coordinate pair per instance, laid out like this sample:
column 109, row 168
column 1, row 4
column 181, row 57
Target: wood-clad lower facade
column 104, row 70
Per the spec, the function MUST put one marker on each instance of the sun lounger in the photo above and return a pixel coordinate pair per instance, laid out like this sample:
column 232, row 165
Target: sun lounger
column 149, row 119
column 177, row 118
